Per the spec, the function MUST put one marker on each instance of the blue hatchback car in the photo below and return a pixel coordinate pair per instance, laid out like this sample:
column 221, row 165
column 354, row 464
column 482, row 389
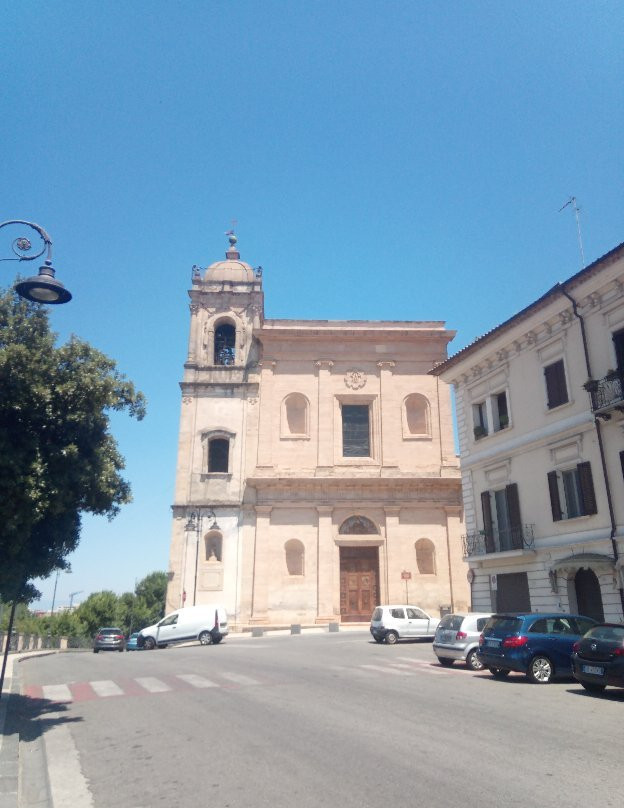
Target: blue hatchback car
column 539, row 645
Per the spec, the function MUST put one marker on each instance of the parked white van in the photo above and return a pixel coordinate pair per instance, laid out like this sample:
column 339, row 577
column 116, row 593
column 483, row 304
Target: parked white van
column 208, row 624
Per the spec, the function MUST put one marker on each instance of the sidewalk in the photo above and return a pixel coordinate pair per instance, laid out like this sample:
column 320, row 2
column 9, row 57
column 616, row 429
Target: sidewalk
column 10, row 734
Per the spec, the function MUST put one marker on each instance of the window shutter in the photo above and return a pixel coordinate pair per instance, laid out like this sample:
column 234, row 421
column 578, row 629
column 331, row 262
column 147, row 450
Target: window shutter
column 587, row 488
column 556, row 388
column 513, row 506
column 486, row 506
column 553, row 487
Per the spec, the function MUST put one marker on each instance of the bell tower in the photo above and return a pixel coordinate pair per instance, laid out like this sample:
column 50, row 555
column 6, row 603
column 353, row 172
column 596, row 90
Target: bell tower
column 220, row 380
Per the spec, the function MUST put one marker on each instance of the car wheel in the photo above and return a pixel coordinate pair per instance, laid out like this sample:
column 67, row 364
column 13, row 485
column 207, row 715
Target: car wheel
column 445, row 661
column 391, row 637
column 593, row 687
column 540, row 670
column 149, row 644
column 499, row 673
column 473, row 662
column 205, row 638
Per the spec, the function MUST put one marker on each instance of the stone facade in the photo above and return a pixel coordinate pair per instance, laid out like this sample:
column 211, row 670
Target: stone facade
column 316, row 463
column 541, row 430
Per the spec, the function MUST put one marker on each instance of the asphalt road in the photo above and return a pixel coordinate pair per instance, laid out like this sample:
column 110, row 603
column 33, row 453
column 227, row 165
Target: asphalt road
column 314, row 720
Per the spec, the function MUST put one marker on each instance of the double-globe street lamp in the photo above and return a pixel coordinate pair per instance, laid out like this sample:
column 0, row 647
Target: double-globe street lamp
column 41, row 288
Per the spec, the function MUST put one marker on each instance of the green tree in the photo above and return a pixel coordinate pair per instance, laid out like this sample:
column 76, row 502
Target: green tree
column 57, row 456
column 152, row 591
column 99, row 609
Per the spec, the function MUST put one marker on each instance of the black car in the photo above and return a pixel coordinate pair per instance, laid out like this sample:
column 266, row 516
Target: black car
column 598, row 658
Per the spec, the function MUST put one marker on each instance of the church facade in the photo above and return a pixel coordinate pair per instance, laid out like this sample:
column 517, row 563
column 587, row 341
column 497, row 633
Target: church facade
column 316, row 472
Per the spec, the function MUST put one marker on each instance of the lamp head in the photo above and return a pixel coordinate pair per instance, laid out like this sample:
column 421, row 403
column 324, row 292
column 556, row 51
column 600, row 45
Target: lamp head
column 43, row 288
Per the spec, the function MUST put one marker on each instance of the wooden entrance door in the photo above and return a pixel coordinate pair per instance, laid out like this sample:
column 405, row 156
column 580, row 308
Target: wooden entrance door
column 359, row 583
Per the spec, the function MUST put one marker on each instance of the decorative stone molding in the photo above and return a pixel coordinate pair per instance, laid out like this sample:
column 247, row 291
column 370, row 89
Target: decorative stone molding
column 323, row 363
column 355, row 379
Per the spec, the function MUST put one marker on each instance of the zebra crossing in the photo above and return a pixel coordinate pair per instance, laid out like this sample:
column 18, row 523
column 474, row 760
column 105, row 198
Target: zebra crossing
column 153, row 685
column 140, row 685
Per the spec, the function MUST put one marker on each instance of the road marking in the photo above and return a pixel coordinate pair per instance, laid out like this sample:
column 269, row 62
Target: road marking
column 385, row 669
column 240, row 679
column 152, row 684
column 195, row 680
column 106, row 688
column 57, row 693
column 67, row 783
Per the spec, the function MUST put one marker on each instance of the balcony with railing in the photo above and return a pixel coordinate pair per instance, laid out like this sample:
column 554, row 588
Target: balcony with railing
column 607, row 394
column 481, row 542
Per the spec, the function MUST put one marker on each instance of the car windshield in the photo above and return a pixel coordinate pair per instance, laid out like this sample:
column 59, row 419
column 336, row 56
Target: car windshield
column 377, row 614
column 109, row 631
column 451, row 621
column 503, row 623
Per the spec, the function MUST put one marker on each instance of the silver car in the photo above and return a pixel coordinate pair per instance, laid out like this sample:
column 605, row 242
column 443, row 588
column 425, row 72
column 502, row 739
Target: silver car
column 457, row 638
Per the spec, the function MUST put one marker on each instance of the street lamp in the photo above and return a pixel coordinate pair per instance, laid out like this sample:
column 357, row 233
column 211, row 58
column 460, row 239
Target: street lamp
column 41, row 288
column 194, row 525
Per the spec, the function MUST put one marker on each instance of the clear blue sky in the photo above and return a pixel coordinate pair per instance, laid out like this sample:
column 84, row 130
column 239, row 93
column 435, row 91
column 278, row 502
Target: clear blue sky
column 383, row 160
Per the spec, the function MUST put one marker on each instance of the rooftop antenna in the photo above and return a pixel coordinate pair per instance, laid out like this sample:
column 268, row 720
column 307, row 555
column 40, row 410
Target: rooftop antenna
column 572, row 201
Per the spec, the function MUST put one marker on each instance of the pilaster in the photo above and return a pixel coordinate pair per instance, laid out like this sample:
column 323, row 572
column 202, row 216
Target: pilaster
column 387, row 414
column 325, row 430
column 325, row 565
column 392, row 514
column 260, row 581
column 265, row 426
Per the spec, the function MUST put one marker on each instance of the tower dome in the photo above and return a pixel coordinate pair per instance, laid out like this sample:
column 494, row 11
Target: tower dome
column 232, row 269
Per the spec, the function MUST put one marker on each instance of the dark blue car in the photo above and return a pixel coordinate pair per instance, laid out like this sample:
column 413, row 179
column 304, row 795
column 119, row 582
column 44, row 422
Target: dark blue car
column 539, row 645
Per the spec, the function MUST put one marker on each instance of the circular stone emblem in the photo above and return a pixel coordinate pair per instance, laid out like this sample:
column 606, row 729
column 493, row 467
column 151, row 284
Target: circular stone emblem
column 355, row 379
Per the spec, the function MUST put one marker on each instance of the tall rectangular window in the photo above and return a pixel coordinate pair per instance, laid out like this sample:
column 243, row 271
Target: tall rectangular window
column 572, row 492
column 356, row 430
column 556, row 387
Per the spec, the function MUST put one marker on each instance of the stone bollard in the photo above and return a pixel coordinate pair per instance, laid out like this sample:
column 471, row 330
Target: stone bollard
column 295, row 628
column 256, row 631
column 334, row 627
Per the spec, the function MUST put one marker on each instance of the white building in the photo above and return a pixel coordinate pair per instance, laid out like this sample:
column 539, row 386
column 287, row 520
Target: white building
column 541, row 430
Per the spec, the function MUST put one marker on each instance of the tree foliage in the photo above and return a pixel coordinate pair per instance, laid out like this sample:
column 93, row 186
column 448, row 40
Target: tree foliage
column 57, row 456
column 131, row 611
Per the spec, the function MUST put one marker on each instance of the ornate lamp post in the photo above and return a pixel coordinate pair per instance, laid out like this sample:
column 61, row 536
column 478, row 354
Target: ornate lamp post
column 194, row 525
column 41, row 288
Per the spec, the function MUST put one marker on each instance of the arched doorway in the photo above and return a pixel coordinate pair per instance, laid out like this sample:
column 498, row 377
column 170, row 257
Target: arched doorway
column 359, row 571
column 588, row 595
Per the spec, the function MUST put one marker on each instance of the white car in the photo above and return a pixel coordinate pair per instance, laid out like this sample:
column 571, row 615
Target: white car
column 402, row 622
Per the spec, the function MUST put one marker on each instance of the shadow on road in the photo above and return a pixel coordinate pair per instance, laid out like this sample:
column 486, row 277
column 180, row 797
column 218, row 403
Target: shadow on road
column 31, row 718
column 606, row 695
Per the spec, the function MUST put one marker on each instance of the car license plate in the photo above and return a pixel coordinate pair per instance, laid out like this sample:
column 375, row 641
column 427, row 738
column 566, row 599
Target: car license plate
column 597, row 670
column 493, row 643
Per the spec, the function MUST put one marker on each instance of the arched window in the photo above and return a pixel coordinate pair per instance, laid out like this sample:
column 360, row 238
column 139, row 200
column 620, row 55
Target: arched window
column 214, row 546
column 358, row 525
column 295, row 555
column 425, row 557
column 225, row 344
column 218, row 455
column 295, row 416
column 416, row 420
